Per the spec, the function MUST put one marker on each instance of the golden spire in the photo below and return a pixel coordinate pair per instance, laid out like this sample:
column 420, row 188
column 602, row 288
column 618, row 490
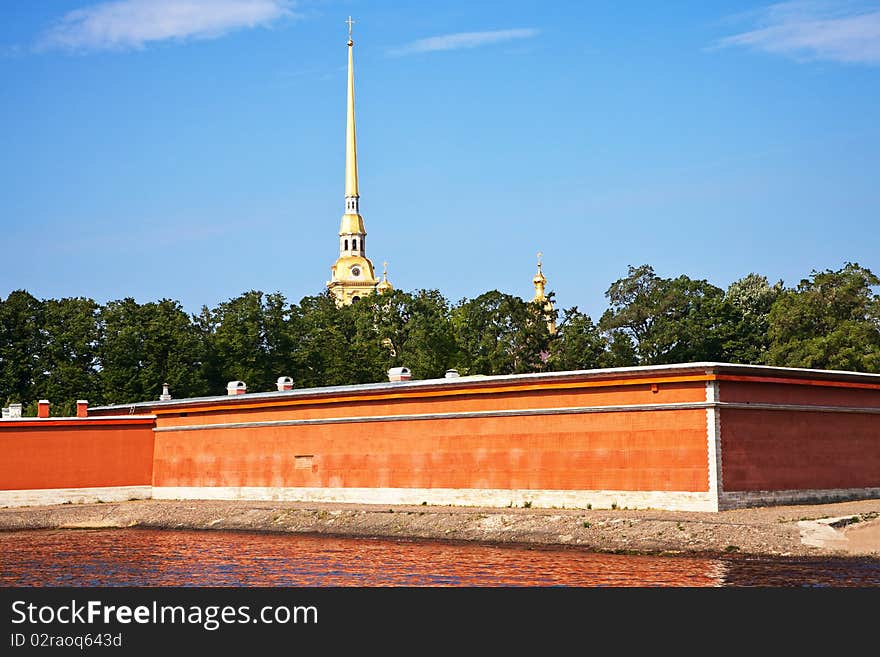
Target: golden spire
column 351, row 165
column 352, row 222
column 352, row 276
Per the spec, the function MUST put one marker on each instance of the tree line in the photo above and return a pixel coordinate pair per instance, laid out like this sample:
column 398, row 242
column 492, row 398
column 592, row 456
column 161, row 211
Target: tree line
column 123, row 351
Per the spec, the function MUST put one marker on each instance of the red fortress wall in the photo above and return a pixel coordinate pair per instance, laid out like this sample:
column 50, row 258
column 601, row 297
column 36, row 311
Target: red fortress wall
column 805, row 438
column 551, row 441
column 57, row 460
column 698, row 436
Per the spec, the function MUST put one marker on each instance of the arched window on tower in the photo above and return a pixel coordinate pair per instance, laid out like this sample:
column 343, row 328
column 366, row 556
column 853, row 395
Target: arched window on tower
column 346, row 245
column 354, row 245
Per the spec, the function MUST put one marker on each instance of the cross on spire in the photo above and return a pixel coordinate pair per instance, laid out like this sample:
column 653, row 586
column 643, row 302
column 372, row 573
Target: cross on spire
column 350, row 23
column 539, row 259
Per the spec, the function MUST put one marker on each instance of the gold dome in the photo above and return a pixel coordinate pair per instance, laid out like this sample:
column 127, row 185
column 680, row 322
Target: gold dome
column 352, row 224
column 540, row 283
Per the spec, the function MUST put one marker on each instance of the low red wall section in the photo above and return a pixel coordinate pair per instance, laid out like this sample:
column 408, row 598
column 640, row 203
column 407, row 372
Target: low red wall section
column 799, row 450
column 808, row 431
column 75, row 454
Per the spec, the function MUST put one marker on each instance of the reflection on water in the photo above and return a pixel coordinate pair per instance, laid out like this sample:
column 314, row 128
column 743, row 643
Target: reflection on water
column 134, row 557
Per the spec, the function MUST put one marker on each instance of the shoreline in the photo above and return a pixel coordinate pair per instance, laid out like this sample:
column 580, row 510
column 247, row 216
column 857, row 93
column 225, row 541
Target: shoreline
column 844, row 529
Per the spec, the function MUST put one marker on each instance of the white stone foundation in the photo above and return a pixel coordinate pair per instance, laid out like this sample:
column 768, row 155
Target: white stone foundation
column 742, row 499
column 499, row 498
column 48, row 496
column 568, row 499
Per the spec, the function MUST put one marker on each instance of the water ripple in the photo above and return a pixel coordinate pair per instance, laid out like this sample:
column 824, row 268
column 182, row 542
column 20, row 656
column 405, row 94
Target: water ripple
column 136, row 557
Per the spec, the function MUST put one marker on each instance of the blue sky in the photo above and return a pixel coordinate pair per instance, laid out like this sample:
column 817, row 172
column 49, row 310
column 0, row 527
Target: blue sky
column 194, row 149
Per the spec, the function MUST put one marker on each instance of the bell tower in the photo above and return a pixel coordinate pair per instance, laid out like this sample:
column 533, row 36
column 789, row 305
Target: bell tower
column 352, row 275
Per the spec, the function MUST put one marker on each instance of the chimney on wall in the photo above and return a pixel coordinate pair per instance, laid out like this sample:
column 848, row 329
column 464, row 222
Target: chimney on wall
column 14, row 411
column 284, row 383
column 236, row 388
column 43, row 408
column 397, row 374
column 4, row 414
column 82, row 408
column 451, row 374
column 165, row 396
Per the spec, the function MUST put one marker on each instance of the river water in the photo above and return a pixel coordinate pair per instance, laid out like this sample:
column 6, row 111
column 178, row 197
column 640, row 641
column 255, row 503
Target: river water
column 141, row 557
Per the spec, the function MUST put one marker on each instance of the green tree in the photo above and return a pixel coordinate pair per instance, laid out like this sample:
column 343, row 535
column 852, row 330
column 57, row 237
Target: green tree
column 578, row 345
column 667, row 320
column 830, row 321
column 249, row 340
column 621, row 352
column 144, row 346
column 21, row 339
column 68, row 356
column 499, row 333
column 750, row 299
column 281, row 325
column 121, row 354
column 414, row 330
column 211, row 369
column 331, row 349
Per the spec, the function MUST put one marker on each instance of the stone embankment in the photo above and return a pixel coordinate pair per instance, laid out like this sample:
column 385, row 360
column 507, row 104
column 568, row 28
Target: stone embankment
column 841, row 529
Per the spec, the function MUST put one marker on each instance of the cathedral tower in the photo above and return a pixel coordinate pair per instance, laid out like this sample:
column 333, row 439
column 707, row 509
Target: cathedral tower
column 352, row 275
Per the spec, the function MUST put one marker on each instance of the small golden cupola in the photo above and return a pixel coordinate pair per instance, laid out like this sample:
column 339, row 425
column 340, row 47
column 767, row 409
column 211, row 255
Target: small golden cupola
column 351, row 276
column 384, row 285
column 540, row 283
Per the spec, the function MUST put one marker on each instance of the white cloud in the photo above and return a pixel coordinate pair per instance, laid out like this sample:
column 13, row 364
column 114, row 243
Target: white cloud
column 462, row 40
column 815, row 30
column 131, row 24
